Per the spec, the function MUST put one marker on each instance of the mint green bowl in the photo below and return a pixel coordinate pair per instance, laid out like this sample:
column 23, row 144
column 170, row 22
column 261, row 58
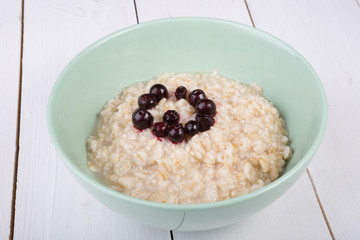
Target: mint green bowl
column 186, row 45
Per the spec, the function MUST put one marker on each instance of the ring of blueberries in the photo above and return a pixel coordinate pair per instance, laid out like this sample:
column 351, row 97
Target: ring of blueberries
column 170, row 126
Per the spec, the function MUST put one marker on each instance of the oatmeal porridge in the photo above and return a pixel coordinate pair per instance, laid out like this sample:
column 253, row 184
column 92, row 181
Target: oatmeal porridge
column 240, row 147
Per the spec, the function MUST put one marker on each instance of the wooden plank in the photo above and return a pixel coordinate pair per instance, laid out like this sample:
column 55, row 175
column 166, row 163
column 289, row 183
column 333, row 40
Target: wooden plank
column 304, row 220
column 10, row 46
column 327, row 34
column 227, row 9
column 50, row 204
column 287, row 218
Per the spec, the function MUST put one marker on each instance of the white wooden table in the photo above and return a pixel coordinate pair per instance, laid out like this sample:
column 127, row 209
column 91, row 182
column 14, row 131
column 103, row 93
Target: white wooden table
column 39, row 199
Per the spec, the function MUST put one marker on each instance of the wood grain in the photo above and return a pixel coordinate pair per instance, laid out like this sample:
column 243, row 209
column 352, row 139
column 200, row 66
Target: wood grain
column 10, row 45
column 50, row 204
column 327, row 33
column 278, row 220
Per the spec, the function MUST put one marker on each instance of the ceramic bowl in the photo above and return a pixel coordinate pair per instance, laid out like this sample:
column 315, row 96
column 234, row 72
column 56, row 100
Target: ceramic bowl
column 142, row 52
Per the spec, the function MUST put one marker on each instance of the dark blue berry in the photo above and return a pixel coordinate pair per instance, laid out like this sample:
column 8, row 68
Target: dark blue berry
column 171, row 117
column 160, row 129
column 196, row 96
column 176, row 133
column 191, row 127
column 142, row 119
column 159, row 91
column 206, row 106
column 180, row 92
column 205, row 122
column 147, row 101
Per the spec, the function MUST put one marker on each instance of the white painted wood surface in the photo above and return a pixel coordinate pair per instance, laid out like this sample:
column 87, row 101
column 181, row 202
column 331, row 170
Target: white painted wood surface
column 49, row 202
column 234, row 10
column 327, row 33
column 10, row 38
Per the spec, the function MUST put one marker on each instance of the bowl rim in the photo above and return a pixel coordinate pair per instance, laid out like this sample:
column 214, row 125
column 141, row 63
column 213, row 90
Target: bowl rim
column 299, row 167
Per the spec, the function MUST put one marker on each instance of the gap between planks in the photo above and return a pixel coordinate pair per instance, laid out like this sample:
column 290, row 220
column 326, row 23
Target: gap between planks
column 17, row 150
column 136, row 12
column 247, row 7
column 171, row 235
column 320, row 204
column 357, row 2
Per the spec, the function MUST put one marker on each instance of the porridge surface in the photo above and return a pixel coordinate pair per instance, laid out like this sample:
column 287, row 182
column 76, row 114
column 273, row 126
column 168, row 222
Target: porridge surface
column 246, row 148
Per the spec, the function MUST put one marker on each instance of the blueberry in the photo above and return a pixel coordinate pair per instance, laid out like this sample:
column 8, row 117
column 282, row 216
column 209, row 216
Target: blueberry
column 176, row 133
column 191, row 127
column 180, row 92
column 142, row 119
column 171, row 117
column 206, row 106
column 196, row 96
column 147, row 101
column 205, row 122
column 159, row 91
column 160, row 129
